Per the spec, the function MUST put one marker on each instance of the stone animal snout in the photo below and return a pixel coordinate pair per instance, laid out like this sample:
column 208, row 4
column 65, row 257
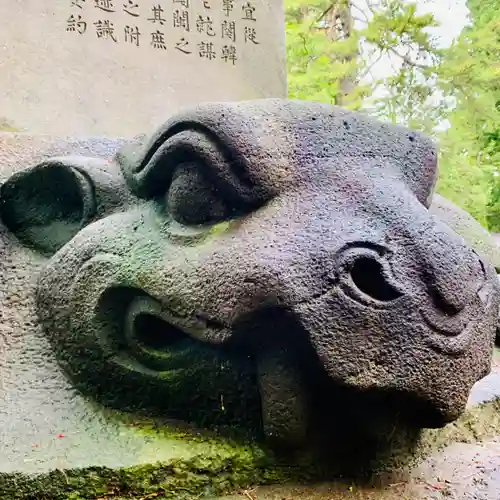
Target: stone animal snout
column 292, row 238
column 393, row 303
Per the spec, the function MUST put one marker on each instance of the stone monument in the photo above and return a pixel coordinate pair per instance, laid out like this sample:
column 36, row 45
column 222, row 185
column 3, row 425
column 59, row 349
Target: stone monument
column 272, row 270
column 118, row 67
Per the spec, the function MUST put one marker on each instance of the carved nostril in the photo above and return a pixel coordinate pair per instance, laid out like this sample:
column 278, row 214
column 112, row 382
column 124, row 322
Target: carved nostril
column 451, row 299
column 368, row 276
column 442, row 304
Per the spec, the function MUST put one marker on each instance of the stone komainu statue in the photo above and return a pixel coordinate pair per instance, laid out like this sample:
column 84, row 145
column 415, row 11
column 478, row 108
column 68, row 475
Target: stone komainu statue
column 252, row 259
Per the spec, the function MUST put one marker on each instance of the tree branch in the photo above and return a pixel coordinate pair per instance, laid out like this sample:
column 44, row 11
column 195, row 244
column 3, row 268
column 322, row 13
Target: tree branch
column 357, row 19
column 405, row 58
column 332, row 6
column 360, row 10
column 370, row 7
column 304, row 43
column 370, row 67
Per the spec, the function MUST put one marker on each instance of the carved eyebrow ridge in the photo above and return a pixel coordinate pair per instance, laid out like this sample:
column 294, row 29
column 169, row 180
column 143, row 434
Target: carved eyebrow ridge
column 140, row 161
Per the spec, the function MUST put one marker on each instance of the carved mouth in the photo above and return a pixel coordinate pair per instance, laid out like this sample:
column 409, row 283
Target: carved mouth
column 148, row 357
column 153, row 333
column 127, row 327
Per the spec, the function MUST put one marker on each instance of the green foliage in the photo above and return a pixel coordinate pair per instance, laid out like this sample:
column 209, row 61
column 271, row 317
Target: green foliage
column 318, row 64
column 333, row 46
column 410, row 100
column 470, row 152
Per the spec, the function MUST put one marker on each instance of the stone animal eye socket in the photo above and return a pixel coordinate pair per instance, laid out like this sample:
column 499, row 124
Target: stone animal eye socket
column 368, row 277
column 193, row 200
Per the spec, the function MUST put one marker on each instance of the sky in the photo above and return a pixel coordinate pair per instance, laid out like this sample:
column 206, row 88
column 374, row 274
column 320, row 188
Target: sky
column 452, row 14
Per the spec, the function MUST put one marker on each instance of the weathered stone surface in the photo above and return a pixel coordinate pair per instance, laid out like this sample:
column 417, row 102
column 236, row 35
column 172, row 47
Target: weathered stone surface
column 477, row 236
column 55, row 442
column 321, row 250
column 462, row 471
column 37, row 402
column 463, row 461
column 330, row 238
column 147, row 309
column 105, row 79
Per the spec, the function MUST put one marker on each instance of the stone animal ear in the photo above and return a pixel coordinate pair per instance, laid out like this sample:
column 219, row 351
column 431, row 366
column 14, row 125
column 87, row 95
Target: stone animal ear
column 48, row 204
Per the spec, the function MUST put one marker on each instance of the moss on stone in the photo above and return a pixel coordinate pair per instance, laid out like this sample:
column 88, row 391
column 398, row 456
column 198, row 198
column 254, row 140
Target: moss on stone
column 180, row 479
column 224, row 467
column 478, row 423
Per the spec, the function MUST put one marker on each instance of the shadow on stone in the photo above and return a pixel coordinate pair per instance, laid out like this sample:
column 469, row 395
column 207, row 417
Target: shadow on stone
column 164, row 372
